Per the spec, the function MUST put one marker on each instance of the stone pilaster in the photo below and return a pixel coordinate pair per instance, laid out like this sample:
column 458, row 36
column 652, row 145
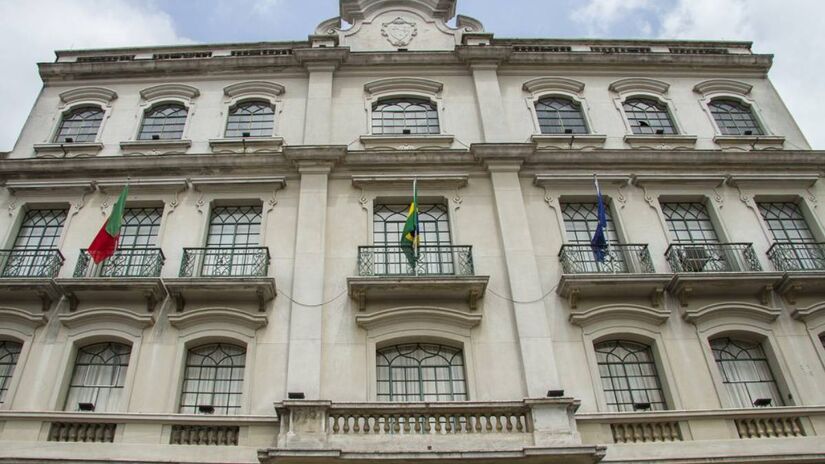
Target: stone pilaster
column 321, row 64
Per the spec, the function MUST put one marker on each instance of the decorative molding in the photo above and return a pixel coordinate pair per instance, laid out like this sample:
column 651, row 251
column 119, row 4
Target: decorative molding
column 697, row 180
column 109, row 317
column 639, row 84
column 553, row 84
column 403, row 84
column 736, row 309
column 804, row 181
column 433, row 315
column 241, row 89
column 141, row 184
column 98, row 94
column 407, row 142
column 20, row 320
column 155, row 147
column 158, row 92
column 661, row 142
column 49, row 187
column 201, row 184
column 399, row 32
column 468, row 24
column 224, row 317
column 247, row 145
column 809, row 312
column 582, row 142
column 450, row 181
column 722, row 86
column 620, row 313
column 329, row 26
column 750, row 142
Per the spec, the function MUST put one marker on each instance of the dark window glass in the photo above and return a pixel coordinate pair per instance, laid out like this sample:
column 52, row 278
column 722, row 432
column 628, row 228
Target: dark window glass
column 99, row 376
column 689, row 223
column 648, row 116
column 250, row 119
column 560, row 116
column 9, row 354
column 734, row 118
column 405, row 116
column 629, row 376
column 163, row 122
column 41, row 229
column 434, row 239
column 234, row 226
column 80, row 125
column 140, row 228
column 786, row 222
column 420, row 372
column 581, row 219
column 745, row 372
column 213, row 378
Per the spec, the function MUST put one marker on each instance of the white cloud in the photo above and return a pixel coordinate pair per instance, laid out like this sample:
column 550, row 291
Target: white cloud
column 599, row 15
column 265, row 7
column 31, row 30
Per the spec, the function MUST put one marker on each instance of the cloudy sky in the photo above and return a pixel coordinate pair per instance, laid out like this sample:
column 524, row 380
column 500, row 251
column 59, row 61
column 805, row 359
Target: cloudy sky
column 30, row 30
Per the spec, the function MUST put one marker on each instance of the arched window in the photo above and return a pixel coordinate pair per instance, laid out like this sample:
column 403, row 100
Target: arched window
column 629, row 376
column 9, row 354
column 734, row 117
column 250, row 119
column 746, row 373
column 560, row 116
column 163, row 122
column 98, row 378
column 80, row 125
column 420, row 372
column 405, row 116
column 648, row 116
column 213, row 380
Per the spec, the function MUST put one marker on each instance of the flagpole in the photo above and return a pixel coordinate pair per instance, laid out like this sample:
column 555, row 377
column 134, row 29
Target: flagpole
column 415, row 225
column 606, row 235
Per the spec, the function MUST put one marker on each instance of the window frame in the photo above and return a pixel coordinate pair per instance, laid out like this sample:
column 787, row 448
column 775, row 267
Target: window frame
column 116, row 407
column 7, row 335
column 76, row 107
column 578, row 99
column 662, row 99
column 147, row 109
column 653, row 361
column 730, row 90
column 74, row 99
column 251, row 99
column 186, row 364
column 405, row 96
column 706, row 105
column 417, row 344
column 405, row 88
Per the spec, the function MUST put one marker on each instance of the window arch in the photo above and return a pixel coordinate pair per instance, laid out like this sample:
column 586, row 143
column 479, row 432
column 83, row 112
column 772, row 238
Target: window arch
column 420, row 372
column 629, row 376
column 164, row 122
column 746, row 372
column 9, row 355
column 405, row 115
column 734, row 117
column 648, row 116
column 559, row 115
column 251, row 118
column 80, row 125
column 99, row 377
column 213, row 379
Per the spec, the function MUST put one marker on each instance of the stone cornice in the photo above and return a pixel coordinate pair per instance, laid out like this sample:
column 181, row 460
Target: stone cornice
column 329, row 56
column 496, row 154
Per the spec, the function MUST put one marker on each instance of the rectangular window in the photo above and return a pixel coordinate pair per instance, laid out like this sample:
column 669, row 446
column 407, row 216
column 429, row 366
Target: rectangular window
column 689, row 223
column 232, row 243
column 436, row 253
column 746, row 373
column 786, row 222
column 35, row 253
column 98, row 378
column 581, row 219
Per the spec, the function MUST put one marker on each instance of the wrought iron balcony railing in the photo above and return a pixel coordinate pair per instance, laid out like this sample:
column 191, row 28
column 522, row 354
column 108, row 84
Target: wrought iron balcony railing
column 799, row 256
column 618, row 258
column 225, row 262
column 126, row 262
column 391, row 260
column 30, row 263
column 712, row 257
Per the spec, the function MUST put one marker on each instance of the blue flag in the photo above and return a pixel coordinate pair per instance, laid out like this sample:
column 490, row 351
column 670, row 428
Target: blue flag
column 599, row 242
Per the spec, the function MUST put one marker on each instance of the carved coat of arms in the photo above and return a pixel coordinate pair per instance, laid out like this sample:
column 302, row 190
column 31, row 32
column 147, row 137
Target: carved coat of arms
column 399, row 32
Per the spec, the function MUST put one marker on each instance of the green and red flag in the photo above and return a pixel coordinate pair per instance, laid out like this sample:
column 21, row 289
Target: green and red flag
column 409, row 236
column 105, row 242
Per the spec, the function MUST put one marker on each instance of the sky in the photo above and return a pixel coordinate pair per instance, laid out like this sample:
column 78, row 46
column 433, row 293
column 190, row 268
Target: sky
column 30, row 31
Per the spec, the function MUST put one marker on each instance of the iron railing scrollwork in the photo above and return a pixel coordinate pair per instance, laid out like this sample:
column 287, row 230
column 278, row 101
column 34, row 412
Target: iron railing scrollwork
column 388, row 260
column 712, row 257
column 225, row 262
column 798, row 256
column 618, row 258
column 30, row 263
column 125, row 262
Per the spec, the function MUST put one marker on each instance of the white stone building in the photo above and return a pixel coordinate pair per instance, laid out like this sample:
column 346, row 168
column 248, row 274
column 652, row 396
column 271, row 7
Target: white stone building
column 259, row 308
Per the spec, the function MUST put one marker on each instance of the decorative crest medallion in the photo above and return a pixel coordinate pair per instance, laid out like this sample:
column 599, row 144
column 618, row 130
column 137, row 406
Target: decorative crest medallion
column 399, row 32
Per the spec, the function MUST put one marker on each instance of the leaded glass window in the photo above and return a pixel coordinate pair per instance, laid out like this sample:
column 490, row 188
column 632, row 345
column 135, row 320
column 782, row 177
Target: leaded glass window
column 629, row 377
column 80, row 125
column 648, row 116
column 734, row 118
column 689, row 223
column 420, row 372
column 560, row 116
column 98, row 378
column 35, row 252
column 581, row 219
column 140, row 227
column 746, row 372
column 786, row 222
column 405, row 116
column 435, row 253
column 9, row 354
column 250, row 119
column 213, row 380
column 234, row 226
column 164, row 122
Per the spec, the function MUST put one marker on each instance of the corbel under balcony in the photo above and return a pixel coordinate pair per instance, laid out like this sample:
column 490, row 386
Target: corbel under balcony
column 42, row 290
column 429, row 288
column 759, row 285
column 407, row 142
column 795, row 284
column 569, row 141
column 148, row 289
column 155, row 147
column 661, row 142
column 577, row 287
column 259, row 290
column 247, row 145
column 66, row 150
column 750, row 142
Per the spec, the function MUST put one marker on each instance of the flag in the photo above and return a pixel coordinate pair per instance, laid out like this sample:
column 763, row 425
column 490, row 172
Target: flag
column 599, row 242
column 105, row 242
column 409, row 236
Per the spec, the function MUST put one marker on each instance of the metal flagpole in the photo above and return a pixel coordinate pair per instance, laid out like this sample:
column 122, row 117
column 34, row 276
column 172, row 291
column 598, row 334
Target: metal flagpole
column 600, row 198
column 415, row 226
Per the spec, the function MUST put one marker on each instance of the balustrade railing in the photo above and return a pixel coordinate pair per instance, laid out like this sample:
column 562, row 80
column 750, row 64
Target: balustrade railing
column 225, row 262
column 392, row 260
column 126, row 262
column 801, row 256
column 769, row 427
column 30, row 263
column 82, row 432
column 712, row 257
column 645, row 432
column 617, row 258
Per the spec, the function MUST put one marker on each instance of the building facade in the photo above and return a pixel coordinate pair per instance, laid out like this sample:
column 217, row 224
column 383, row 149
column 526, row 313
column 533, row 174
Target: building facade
column 259, row 307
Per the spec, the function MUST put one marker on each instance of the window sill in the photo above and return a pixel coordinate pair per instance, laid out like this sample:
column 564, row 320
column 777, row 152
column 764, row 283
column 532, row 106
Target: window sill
column 750, row 142
column 569, row 141
column 661, row 142
column 67, row 150
column 247, row 145
column 155, row 147
column 407, row 142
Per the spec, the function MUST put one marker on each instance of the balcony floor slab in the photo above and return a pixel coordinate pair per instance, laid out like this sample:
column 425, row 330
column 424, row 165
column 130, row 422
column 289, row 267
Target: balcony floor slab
column 77, row 289
column 686, row 285
column 574, row 287
column 258, row 289
column 43, row 290
column 533, row 455
column 413, row 288
column 801, row 283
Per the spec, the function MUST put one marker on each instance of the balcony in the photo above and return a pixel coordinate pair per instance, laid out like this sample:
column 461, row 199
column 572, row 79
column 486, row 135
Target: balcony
column 712, row 269
column 441, row 272
column 230, row 273
column 129, row 272
column 804, row 266
column 28, row 273
column 626, row 270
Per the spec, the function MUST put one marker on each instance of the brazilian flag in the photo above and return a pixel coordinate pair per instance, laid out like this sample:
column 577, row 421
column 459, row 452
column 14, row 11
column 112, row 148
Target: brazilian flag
column 409, row 236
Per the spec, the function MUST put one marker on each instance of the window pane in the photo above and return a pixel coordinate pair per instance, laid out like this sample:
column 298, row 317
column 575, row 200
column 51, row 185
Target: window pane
column 250, row 119
column 648, row 116
column 80, row 125
column 629, row 376
column 404, row 116
column 9, row 354
column 213, row 377
column 560, row 116
column 164, row 122
column 420, row 372
column 745, row 372
column 734, row 118
column 99, row 376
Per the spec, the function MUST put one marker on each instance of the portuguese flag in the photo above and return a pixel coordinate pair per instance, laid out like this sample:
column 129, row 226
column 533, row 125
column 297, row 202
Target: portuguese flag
column 105, row 241
column 409, row 236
